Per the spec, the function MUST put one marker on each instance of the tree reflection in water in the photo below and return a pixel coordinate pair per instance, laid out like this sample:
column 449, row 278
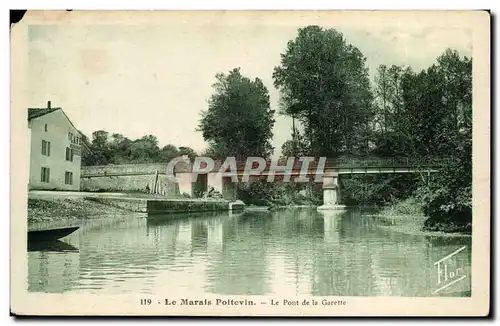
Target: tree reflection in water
column 296, row 252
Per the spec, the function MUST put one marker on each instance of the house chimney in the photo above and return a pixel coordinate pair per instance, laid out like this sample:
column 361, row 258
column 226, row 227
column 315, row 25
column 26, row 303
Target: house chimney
column 48, row 104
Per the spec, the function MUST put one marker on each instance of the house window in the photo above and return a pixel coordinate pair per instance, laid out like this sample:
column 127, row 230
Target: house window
column 45, row 176
column 69, row 154
column 45, row 148
column 68, row 178
column 46, row 128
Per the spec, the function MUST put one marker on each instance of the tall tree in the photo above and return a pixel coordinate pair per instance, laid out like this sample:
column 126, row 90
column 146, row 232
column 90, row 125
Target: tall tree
column 168, row 152
column 88, row 156
column 239, row 120
column 100, row 138
column 145, row 150
column 99, row 148
column 392, row 131
column 383, row 94
column 327, row 88
column 119, row 149
column 448, row 198
column 295, row 147
column 188, row 151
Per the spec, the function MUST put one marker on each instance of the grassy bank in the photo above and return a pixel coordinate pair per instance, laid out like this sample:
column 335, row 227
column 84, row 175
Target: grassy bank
column 407, row 217
column 64, row 209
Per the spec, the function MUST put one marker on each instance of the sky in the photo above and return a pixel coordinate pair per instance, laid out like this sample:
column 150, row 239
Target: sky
column 155, row 79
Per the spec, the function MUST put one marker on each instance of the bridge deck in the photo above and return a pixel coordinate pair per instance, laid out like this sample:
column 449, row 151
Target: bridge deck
column 342, row 166
column 336, row 165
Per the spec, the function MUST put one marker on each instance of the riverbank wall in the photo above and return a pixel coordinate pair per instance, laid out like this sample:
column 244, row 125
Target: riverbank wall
column 138, row 205
column 147, row 178
column 54, row 205
column 156, row 207
column 168, row 206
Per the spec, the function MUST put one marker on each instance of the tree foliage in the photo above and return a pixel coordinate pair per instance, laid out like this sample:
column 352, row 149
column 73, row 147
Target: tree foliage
column 117, row 149
column 429, row 114
column 325, row 85
column 239, row 120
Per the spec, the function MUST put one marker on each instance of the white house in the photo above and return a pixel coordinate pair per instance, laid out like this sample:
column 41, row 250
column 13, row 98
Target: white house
column 55, row 150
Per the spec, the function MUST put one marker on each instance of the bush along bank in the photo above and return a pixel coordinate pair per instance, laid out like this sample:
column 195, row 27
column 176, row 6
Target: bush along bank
column 447, row 197
column 263, row 193
column 436, row 202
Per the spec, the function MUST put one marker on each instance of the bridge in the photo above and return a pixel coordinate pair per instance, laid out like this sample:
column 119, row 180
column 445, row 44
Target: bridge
column 326, row 171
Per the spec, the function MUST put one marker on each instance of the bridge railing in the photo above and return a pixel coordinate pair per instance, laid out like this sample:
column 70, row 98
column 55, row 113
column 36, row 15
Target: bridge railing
column 343, row 163
column 385, row 162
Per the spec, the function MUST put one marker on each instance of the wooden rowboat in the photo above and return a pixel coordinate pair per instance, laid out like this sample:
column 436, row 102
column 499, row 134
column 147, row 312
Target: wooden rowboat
column 51, row 234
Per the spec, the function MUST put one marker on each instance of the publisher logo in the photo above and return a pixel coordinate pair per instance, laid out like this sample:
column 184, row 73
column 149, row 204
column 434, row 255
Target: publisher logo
column 450, row 271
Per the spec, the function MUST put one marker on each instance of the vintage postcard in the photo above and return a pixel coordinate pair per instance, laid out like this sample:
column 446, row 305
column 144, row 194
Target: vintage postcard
column 250, row 163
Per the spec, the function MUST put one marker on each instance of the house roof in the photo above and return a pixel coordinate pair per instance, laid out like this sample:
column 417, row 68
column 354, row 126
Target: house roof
column 35, row 112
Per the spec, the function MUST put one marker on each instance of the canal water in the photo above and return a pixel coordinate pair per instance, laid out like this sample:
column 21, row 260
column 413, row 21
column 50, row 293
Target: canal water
column 288, row 252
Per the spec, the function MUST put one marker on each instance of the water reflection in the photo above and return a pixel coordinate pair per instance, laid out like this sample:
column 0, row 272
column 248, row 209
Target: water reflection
column 56, row 245
column 284, row 252
column 52, row 267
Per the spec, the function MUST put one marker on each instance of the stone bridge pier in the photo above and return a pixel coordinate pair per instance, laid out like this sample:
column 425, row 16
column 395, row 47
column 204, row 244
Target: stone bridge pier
column 331, row 193
column 200, row 186
column 228, row 189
